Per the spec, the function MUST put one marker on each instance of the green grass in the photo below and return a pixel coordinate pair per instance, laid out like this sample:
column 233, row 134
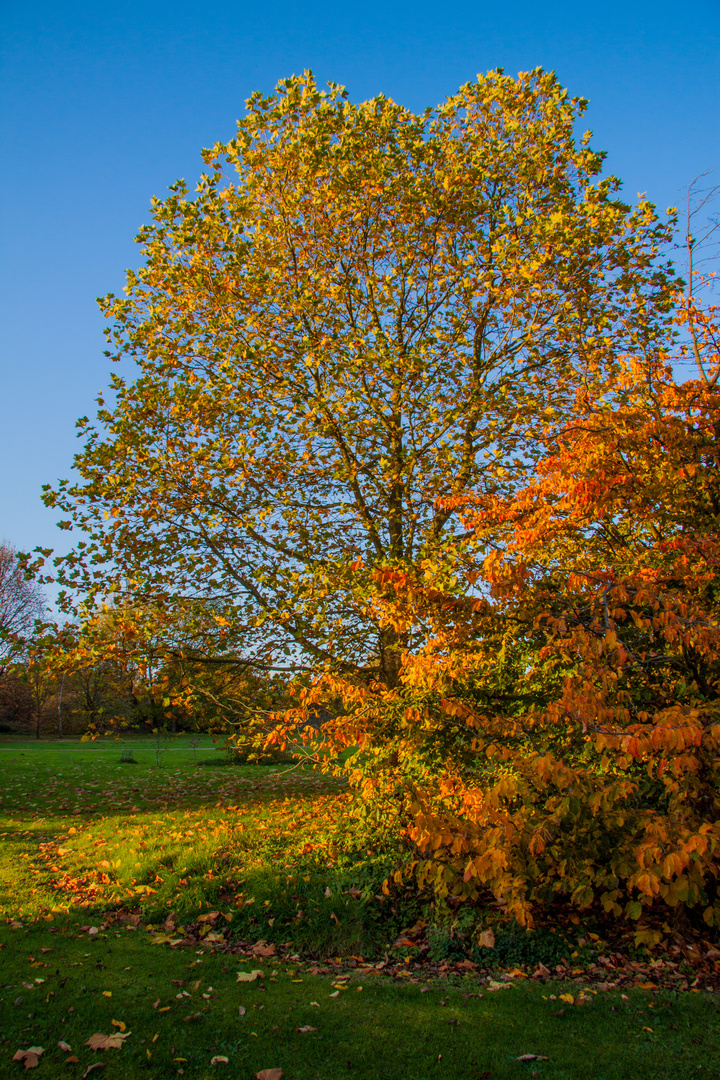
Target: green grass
column 275, row 852
column 386, row 1030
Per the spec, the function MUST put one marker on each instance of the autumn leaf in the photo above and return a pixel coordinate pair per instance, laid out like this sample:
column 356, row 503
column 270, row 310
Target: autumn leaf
column 107, row 1042
column 532, row 1057
column 269, row 1074
column 219, row 1060
column 486, row 940
column 249, row 976
column 306, row 1028
column 30, row 1057
column 263, row 950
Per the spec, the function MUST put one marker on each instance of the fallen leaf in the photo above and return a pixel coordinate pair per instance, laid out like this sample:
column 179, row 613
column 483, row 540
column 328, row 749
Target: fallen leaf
column 30, row 1057
column 119, row 1024
column 219, row 1060
column 261, row 948
column 91, row 1068
column 72, row 1060
column 532, row 1057
column 306, row 1027
column 492, row 985
column 241, row 1010
column 316, row 1004
column 249, row 976
column 107, row 1042
column 567, row 998
column 486, row 940
column 336, row 994
column 269, row 1074
column 64, row 1046
column 107, row 993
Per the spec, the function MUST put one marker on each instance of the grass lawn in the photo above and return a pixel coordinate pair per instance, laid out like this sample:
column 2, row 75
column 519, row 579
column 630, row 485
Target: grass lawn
column 104, row 863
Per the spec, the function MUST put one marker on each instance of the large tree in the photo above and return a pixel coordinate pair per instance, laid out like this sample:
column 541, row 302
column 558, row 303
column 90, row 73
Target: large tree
column 357, row 312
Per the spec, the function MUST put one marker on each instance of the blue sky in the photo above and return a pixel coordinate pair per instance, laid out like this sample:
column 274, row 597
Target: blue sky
column 102, row 107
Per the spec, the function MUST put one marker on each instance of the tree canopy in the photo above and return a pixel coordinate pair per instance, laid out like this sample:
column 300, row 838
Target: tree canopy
column 358, row 316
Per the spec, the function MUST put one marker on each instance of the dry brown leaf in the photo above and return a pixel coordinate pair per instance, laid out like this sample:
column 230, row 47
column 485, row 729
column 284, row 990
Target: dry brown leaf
column 263, row 950
column 269, row 1074
column 107, row 1042
column 219, row 1060
column 241, row 1010
column 29, row 1057
column 72, row 1060
column 91, row 1068
column 249, row 976
column 64, row 1046
column 532, row 1057
column 305, row 1028
column 209, row 916
column 486, row 940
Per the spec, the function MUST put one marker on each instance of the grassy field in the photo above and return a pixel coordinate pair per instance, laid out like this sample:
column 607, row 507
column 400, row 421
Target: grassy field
column 133, row 895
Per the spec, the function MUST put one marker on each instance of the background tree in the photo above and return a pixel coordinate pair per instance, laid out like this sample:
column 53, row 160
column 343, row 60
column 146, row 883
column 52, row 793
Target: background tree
column 377, row 311
column 21, row 602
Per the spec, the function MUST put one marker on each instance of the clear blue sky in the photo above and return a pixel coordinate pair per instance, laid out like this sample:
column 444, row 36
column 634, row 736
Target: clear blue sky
column 104, row 105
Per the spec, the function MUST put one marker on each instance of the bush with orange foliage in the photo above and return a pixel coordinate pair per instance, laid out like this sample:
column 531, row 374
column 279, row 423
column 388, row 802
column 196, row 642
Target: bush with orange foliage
column 556, row 738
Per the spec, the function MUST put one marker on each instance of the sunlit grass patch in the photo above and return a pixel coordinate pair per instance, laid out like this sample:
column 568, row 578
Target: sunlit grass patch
column 275, row 849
